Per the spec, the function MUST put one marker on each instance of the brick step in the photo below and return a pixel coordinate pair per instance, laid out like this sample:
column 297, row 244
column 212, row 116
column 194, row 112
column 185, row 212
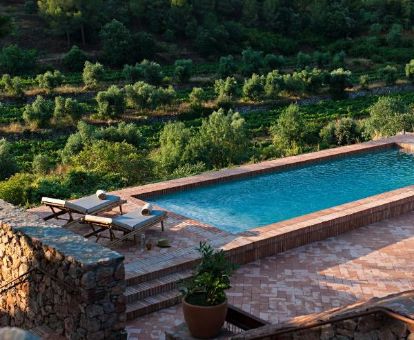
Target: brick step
column 45, row 333
column 161, row 285
column 147, row 270
column 152, row 304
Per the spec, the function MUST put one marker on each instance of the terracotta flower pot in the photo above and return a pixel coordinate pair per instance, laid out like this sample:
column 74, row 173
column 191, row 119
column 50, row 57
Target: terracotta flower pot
column 204, row 321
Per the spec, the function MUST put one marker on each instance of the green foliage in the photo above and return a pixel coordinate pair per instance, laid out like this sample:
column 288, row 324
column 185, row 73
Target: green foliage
column 226, row 89
column 364, row 81
column 49, row 80
column 273, row 61
column 74, row 59
column 12, row 86
column 288, row 132
column 144, row 96
column 149, row 71
column 42, row 164
column 133, row 73
column 67, row 110
column 38, row 113
column 111, row 103
column 123, row 132
column 8, row 164
column 273, row 84
column 389, row 74
column 183, row 69
column 252, row 61
column 6, row 26
column 116, row 42
column 253, row 87
column 17, row 189
column 409, row 70
column 211, row 278
column 196, row 98
column 227, row 66
column 394, row 35
column 15, row 60
column 92, row 74
column 344, row 131
column 303, row 60
column 118, row 158
column 388, row 116
column 339, row 80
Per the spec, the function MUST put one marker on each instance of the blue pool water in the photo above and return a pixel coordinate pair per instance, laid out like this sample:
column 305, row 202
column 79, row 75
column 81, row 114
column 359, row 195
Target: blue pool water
column 256, row 201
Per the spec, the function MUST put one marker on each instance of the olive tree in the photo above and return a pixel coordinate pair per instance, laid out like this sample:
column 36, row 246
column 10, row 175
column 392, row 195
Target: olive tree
column 38, row 113
column 183, row 69
column 111, row 103
column 8, row 164
column 49, row 80
column 92, row 74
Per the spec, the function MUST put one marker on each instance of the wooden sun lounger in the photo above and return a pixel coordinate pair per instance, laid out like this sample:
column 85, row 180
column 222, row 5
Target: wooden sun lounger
column 91, row 205
column 131, row 224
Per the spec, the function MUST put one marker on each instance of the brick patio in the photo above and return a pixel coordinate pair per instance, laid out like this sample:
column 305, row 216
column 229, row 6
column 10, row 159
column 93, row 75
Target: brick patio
column 376, row 260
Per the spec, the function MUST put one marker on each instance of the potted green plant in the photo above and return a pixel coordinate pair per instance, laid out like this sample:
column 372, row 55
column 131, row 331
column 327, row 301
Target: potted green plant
column 205, row 301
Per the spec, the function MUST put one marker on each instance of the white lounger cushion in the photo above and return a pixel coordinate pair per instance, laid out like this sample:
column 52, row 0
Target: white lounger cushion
column 84, row 205
column 98, row 219
column 53, row 201
column 135, row 219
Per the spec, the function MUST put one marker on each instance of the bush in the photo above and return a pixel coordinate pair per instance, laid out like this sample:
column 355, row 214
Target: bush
column 8, row 164
column 12, row 86
column 409, row 70
column 196, row 98
column 312, row 80
column 111, row 103
column 389, row 74
column 183, row 69
column 74, row 59
column 303, row 60
column 226, row 89
column 342, row 132
column 394, row 35
column 145, row 96
column 321, row 59
column 293, row 83
column 364, row 82
column 273, row 61
column 152, row 72
column 38, row 113
column 288, row 132
column 339, row 80
column 67, row 109
column 41, row 164
column 49, row 80
column 338, row 59
column 253, row 87
column 92, row 74
column 17, row 189
column 116, row 42
column 122, row 132
column 221, row 140
column 15, row 60
column 252, row 62
column 227, row 66
column 388, row 116
column 117, row 158
column 144, row 45
column 273, row 84
column 133, row 73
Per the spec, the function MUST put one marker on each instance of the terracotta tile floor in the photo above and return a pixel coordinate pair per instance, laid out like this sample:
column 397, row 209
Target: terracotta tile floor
column 372, row 261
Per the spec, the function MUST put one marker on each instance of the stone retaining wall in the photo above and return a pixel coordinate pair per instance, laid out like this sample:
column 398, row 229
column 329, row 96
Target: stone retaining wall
column 50, row 276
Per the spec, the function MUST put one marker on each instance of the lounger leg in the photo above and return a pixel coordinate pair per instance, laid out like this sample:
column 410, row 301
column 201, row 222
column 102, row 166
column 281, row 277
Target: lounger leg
column 55, row 214
column 120, row 209
column 162, row 225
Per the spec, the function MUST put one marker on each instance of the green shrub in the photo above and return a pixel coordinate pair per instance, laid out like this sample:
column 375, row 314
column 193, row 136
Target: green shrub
column 273, row 84
column 273, row 61
column 122, row 132
column 152, row 72
column 227, row 66
column 12, row 86
column 364, row 82
column 49, row 80
column 117, row 158
column 226, row 89
column 116, row 42
column 8, row 164
column 92, row 74
column 288, row 132
column 41, row 164
column 133, row 73
column 321, row 59
column 293, row 83
column 183, row 69
column 15, row 60
column 17, row 189
column 253, row 87
column 312, row 79
column 344, row 131
column 144, row 96
column 252, row 61
column 409, row 70
column 38, row 113
column 394, row 35
column 388, row 116
column 338, row 59
column 303, row 60
column 67, row 109
column 111, row 103
column 74, row 59
column 389, row 74
column 196, row 98
column 339, row 80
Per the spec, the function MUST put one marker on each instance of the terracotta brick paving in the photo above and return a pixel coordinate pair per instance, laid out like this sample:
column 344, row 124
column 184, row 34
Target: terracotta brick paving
column 376, row 260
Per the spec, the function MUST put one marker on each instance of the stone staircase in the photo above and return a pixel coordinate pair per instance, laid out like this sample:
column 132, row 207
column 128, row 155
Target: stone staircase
column 155, row 285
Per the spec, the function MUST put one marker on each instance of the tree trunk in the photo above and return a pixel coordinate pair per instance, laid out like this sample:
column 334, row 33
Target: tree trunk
column 83, row 35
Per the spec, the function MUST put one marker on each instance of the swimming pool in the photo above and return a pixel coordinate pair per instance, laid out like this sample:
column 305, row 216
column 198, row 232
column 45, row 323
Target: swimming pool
column 248, row 203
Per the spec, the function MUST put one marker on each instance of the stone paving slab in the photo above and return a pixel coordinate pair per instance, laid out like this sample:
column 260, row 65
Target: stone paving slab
column 372, row 261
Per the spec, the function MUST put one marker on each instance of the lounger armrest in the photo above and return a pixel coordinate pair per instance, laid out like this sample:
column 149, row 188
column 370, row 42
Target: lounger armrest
column 53, row 201
column 97, row 219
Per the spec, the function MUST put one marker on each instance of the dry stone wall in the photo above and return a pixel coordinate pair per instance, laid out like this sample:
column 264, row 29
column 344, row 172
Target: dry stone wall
column 50, row 276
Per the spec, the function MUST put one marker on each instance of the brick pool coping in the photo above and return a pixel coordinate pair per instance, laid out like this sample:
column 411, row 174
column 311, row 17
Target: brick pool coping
column 278, row 237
